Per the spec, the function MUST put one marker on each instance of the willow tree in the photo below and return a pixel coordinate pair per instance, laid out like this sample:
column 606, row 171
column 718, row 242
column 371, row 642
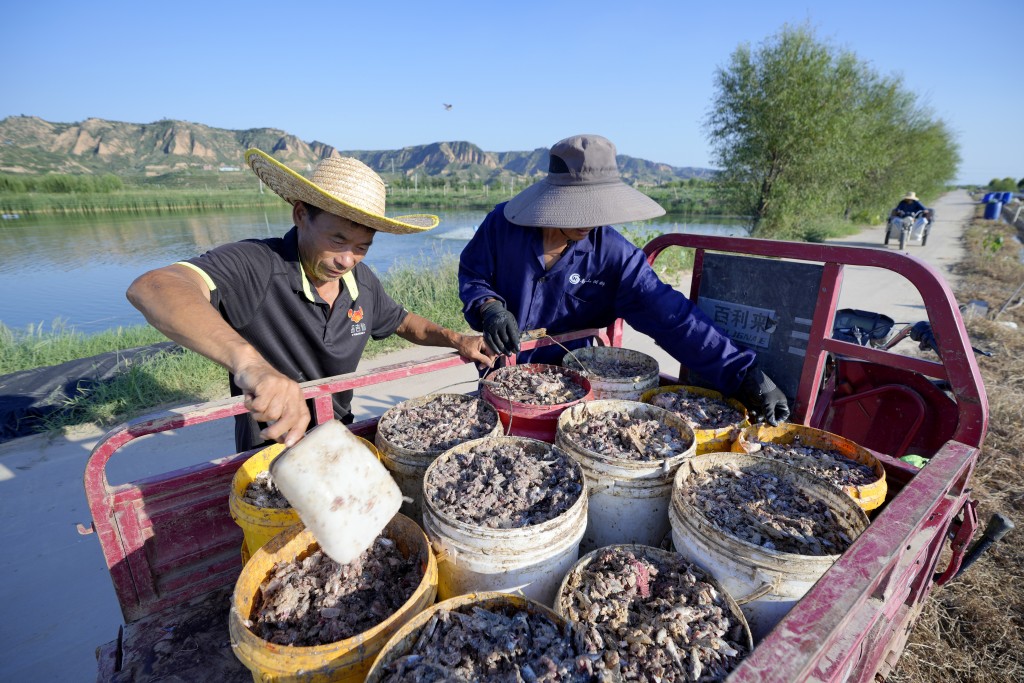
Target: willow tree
column 803, row 130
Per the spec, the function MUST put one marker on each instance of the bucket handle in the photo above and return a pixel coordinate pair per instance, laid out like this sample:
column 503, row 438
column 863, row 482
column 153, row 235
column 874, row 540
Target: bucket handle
column 759, row 592
column 443, row 553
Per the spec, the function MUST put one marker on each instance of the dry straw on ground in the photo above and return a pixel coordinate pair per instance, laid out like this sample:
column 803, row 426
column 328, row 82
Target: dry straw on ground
column 972, row 629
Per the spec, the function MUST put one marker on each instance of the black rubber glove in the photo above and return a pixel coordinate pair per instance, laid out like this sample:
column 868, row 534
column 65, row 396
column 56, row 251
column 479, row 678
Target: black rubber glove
column 765, row 402
column 501, row 331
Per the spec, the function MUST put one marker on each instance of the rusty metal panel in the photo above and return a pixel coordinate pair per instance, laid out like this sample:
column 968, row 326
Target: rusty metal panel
column 775, row 321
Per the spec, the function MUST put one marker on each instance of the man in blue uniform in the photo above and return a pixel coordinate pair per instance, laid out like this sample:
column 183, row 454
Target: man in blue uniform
column 549, row 258
column 276, row 312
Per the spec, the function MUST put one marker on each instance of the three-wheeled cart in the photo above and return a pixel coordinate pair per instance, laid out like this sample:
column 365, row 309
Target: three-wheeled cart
column 173, row 550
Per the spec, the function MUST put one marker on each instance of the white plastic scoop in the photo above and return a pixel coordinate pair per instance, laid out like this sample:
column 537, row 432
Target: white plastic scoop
column 343, row 494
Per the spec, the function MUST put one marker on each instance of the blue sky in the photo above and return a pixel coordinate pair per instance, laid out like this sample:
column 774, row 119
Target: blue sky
column 519, row 75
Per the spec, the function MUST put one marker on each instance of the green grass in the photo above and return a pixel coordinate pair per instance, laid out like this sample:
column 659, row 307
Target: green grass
column 427, row 286
column 166, row 378
column 38, row 346
column 163, row 380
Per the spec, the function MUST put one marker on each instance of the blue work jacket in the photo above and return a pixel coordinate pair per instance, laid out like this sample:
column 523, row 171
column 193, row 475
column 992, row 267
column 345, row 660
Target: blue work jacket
column 597, row 280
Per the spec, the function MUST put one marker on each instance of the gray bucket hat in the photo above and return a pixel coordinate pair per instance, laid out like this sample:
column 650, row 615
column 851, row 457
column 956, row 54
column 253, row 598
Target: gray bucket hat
column 582, row 190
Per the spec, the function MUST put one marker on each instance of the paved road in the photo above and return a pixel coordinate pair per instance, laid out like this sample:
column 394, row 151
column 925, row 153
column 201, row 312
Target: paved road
column 891, row 294
column 56, row 593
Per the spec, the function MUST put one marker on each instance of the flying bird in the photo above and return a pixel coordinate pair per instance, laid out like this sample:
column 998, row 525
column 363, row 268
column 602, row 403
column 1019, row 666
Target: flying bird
column 447, row 107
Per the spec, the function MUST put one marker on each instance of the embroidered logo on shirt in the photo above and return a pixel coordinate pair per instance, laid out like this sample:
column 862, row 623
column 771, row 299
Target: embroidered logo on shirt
column 355, row 315
column 575, row 279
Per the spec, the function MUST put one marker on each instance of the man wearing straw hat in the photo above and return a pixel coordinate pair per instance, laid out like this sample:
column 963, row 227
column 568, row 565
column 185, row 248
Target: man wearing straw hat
column 550, row 258
column 276, row 312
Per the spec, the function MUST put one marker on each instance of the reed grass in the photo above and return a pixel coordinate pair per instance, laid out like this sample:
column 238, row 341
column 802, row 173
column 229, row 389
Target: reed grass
column 134, row 202
column 140, row 197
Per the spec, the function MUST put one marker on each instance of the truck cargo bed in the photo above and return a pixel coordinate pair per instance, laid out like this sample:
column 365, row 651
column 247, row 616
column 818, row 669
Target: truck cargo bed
column 173, row 550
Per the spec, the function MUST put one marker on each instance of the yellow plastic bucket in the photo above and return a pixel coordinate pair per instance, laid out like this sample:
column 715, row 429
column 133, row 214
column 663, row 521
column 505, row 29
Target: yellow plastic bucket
column 405, row 639
column 259, row 525
column 868, row 496
column 343, row 661
column 708, row 440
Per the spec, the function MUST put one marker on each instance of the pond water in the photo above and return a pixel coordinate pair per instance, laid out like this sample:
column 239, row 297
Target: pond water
column 74, row 271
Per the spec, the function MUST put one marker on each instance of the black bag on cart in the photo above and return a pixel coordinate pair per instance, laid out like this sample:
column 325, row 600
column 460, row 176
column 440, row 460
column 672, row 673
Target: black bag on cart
column 861, row 327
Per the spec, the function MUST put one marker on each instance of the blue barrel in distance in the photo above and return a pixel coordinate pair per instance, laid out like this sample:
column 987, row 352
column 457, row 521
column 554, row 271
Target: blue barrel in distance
column 1006, row 197
column 987, row 198
column 992, row 210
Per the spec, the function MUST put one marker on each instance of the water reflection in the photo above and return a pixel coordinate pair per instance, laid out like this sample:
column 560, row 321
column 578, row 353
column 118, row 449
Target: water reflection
column 77, row 269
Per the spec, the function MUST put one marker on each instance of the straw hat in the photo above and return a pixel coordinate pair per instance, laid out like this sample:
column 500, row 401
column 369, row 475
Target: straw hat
column 582, row 190
column 342, row 186
column 910, row 195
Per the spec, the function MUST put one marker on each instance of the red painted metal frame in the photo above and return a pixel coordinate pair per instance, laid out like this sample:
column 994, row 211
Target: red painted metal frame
column 854, row 622
column 169, row 538
column 958, row 364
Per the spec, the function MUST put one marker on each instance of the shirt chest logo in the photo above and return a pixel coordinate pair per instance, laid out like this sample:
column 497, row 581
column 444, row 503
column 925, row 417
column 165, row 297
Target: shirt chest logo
column 576, row 279
column 356, row 316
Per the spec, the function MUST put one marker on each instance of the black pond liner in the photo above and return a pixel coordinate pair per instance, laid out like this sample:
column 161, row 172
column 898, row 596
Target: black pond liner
column 29, row 396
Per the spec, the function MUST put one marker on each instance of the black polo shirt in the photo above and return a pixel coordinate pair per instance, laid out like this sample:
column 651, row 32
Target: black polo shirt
column 261, row 290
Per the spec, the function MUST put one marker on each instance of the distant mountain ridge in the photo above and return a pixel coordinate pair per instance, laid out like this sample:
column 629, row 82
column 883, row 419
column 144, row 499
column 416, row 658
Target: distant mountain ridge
column 30, row 145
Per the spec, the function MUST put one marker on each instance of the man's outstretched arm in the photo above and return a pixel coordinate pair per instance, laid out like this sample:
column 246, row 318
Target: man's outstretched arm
column 419, row 330
column 176, row 301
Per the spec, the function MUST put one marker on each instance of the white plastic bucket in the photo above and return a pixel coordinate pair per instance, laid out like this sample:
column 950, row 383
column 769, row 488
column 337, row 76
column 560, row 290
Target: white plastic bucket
column 622, row 388
column 529, row 560
column 667, row 562
column 766, row 583
column 406, row 465
column 342, row 492
column 629, row 499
